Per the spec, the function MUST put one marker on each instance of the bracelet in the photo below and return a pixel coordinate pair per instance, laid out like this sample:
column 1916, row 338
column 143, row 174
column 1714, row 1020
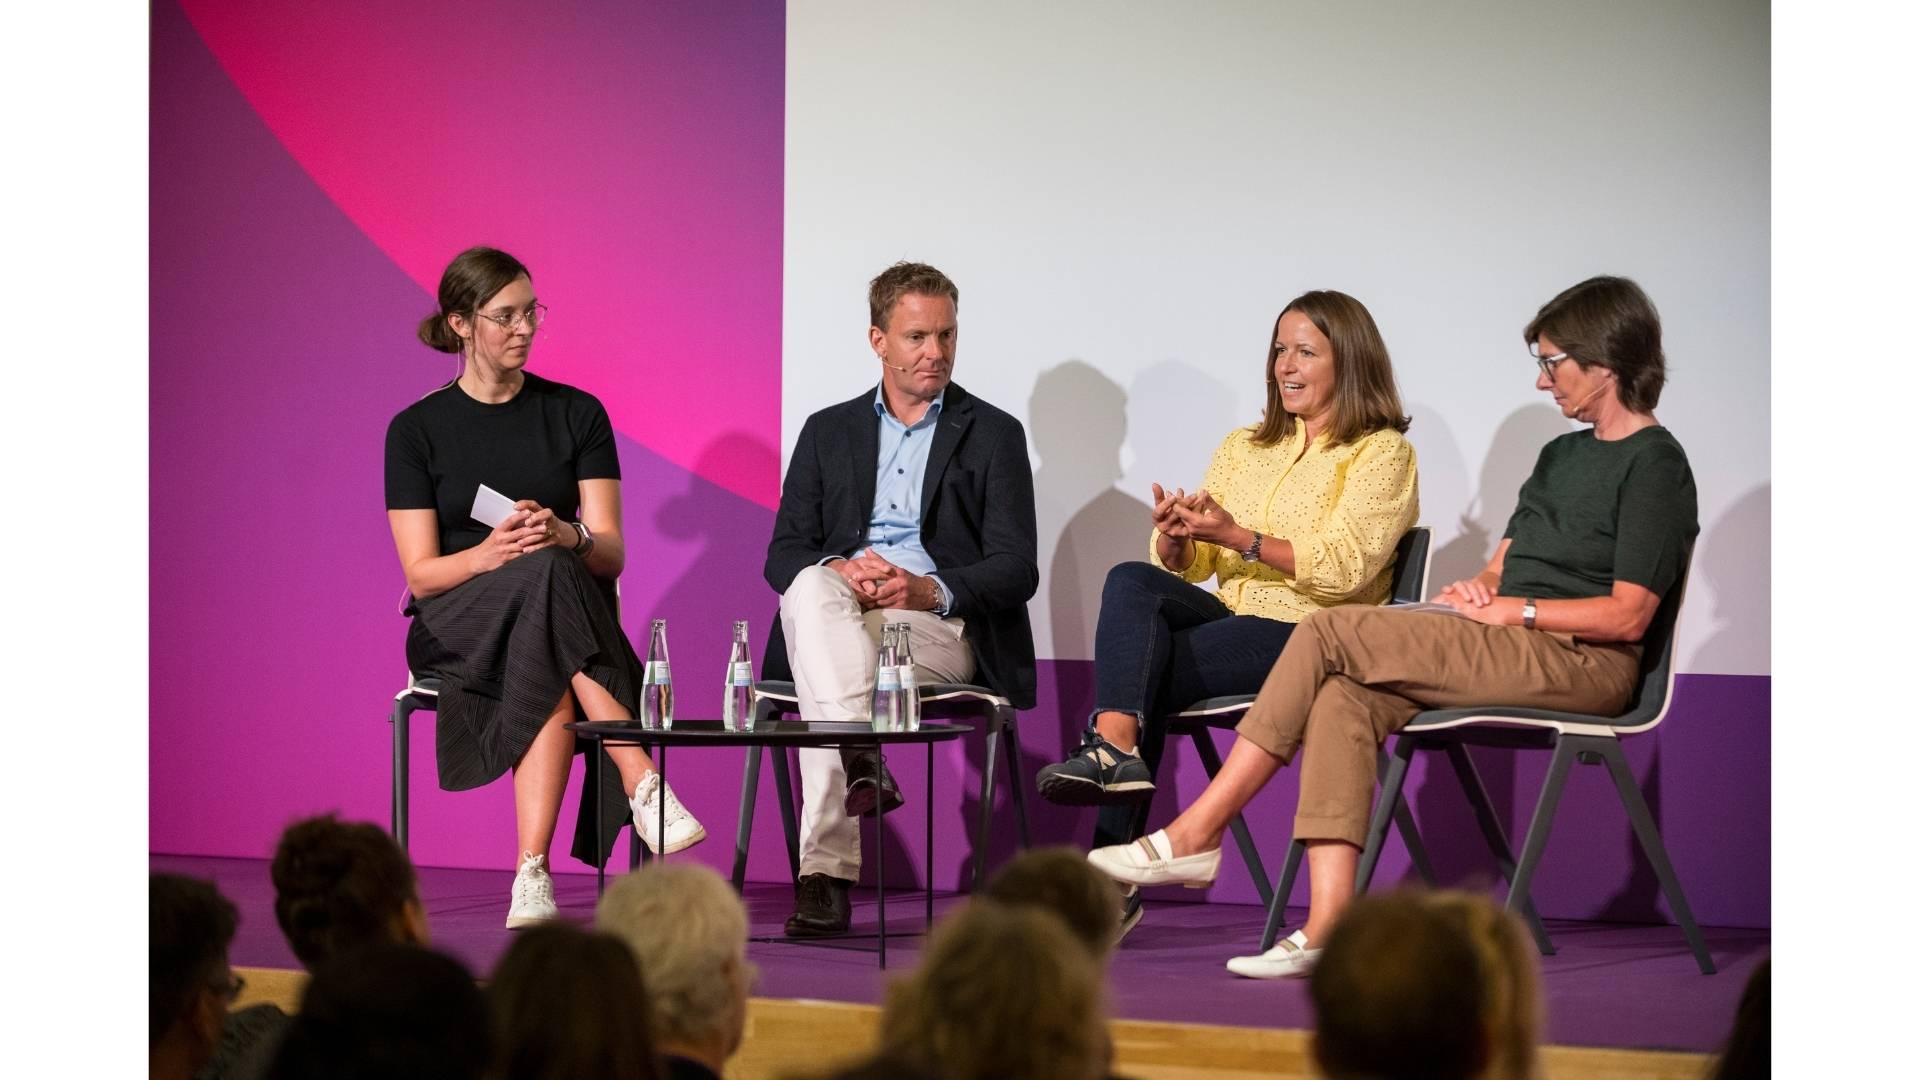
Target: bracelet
column 1252, row 554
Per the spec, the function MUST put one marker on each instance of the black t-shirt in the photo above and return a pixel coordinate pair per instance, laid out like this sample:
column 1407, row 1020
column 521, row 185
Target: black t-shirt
column 1595, row 512
column 538, row 446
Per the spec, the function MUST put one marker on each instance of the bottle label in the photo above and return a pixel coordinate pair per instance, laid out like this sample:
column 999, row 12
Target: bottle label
column 740, row 673
column 907, row 678
column 887, row 678
column 658, row 673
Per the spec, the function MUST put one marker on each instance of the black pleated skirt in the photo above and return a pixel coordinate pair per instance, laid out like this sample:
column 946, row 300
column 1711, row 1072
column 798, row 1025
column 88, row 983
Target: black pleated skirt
column 505, row 646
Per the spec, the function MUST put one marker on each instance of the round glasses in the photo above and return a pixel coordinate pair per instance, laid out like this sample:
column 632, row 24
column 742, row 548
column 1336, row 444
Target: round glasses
column 535, row 314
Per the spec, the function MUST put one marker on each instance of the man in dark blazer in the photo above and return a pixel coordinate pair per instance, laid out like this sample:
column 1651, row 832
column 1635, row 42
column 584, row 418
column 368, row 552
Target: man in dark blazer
column 912, row 502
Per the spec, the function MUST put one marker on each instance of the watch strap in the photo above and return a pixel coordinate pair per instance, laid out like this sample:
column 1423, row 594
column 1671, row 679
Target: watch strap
column 1252, row 554
column 1528, row 612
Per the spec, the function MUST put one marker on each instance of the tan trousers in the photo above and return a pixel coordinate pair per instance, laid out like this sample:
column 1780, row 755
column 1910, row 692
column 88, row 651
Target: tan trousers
column 832, row 646
column 1351, row 676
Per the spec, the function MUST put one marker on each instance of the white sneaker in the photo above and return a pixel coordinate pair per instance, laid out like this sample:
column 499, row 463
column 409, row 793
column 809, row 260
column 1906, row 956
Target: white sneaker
column 1150, row 861
column 682, row 831
column 1290, row 959
column 532, row 894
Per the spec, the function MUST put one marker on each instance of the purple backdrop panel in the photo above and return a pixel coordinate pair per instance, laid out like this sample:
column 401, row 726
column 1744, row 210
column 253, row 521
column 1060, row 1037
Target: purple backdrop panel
column 631, row 154
column 281, row 341
column 1706, row 774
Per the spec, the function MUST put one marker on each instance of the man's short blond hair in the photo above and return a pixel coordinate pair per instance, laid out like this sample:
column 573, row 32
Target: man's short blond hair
column 902, row 279
column 689, row 931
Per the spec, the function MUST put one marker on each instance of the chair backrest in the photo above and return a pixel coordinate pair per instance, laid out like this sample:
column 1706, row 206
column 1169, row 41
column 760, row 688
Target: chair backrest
column 1410, row 563
column 1651, row 698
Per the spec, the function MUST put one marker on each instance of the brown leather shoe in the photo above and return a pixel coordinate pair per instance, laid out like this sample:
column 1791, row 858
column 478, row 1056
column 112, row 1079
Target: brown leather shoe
column 824, row 909
column 869, row 784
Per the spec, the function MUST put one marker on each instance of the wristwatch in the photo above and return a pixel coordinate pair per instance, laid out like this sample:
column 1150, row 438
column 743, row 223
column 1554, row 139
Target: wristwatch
column 1252, row 554
column 1528, row 612
column 585, row 545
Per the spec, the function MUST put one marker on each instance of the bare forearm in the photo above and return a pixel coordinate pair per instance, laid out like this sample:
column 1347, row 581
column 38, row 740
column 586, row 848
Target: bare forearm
column 436, row 574
column 1596, row 618
column 1274, row 551
column 608, row 557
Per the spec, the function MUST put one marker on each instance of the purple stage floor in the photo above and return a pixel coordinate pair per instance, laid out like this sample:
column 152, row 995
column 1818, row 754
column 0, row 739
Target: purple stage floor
column 1609, row 984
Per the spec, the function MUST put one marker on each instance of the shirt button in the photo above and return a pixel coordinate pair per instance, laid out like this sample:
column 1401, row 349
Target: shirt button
column 893, row 506
column 901, row 471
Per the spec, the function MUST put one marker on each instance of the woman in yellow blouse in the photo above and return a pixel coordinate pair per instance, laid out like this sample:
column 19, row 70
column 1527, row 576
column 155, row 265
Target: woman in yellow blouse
column 1297, row 513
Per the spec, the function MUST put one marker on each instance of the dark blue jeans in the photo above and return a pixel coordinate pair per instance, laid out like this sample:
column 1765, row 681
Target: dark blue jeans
column 1160, row 646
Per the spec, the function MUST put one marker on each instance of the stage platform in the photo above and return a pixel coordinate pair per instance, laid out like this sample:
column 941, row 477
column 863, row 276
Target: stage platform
column 1610, row 986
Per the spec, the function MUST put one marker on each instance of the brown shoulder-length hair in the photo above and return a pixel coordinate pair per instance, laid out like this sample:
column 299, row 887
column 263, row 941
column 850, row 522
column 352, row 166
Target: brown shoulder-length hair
column 1365, row 397
column 1608, row 322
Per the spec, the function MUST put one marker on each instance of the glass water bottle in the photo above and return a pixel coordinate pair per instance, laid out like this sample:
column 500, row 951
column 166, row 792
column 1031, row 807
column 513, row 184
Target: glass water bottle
column 909, row 684
column 886, row 683
column 736, row 711
column 656, row 684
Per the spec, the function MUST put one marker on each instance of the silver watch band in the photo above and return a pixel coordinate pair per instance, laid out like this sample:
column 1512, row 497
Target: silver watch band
column 1252, row 554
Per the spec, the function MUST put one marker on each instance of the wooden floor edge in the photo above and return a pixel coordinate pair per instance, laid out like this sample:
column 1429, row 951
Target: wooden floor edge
column 786, row 1037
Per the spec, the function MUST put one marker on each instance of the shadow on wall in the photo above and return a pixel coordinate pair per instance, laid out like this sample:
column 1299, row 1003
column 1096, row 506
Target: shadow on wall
column 723, row 542
column 1734, row 560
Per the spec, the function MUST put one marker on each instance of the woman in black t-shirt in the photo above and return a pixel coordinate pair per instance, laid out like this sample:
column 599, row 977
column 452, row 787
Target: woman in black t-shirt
column 517, row 619
column 1602, row 532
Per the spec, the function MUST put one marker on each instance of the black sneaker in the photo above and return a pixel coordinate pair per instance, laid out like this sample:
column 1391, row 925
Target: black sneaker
column 1130, row 912
column 1097, row 774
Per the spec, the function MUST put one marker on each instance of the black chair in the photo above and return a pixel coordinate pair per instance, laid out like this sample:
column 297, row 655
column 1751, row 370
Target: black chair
column 773, row 698
column 1409, row 585
column 423, row 692
column 1589, row 740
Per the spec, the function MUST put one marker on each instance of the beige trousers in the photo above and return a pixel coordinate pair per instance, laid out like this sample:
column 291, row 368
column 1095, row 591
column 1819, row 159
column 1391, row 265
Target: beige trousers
column 832, row 646
column 1351, row 676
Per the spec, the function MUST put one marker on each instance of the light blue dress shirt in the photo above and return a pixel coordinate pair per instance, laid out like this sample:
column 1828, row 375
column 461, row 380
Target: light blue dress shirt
column 893, row 530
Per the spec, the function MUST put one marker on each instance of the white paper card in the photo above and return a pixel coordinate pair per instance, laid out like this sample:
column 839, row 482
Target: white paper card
column 490, row 508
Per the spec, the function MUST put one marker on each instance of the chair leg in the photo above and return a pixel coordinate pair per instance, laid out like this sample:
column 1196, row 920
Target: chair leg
column 1242, row 835
column 1650, row 842
column 1483, row 812
column 1383, row 812
column 1277, row 907
column 1519, row 896
column 1416, row 848
column 789, row 825
column 743, row 834
column 1009, row 723
column 402, row 715
column 986, row 806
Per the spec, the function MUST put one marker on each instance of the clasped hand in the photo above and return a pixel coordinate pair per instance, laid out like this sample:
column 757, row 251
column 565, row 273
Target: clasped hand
column 880, row 584
column 1196, row 517
column 529, row 528
column 1474, row 598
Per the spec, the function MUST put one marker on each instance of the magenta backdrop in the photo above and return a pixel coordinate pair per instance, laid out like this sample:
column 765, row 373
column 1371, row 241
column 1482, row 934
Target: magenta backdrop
column 313, row 167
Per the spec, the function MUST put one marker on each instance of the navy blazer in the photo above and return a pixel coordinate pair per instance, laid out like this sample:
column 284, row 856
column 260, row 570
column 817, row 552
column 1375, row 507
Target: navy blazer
column 976, row 522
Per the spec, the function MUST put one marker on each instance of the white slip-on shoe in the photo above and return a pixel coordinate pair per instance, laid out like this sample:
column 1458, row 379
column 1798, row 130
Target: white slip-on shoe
column 1290, row 959
column 682, row 830
column 1150, row 861
column 532, row 894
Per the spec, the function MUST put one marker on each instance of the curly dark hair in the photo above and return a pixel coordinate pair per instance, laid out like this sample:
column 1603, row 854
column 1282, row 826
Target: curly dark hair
column 339, row 885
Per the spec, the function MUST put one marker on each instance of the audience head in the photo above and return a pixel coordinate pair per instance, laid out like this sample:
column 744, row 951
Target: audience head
column 468, row 282
column 689, row 931
column 1608, row 322
column 1003, row 990
column 1061, row 880
column 903, row 279
column 1364, row 396
column 387, row 1012
column 189, row 985
column 339, row 885
column 1749, row 1049
column 1425, row 985
column 568, row 1002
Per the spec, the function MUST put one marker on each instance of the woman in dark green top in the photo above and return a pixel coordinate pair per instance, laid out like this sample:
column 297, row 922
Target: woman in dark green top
column 1602, row 531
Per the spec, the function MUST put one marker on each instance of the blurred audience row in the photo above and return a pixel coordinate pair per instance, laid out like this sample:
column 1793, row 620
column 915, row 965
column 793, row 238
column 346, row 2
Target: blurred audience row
column 1412, row 984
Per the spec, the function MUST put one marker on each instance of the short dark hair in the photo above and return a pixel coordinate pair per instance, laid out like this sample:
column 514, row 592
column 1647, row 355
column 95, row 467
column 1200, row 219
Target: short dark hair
column 1366, row 398
column 468, row 282
column 1061, row 880
column 568, row 1002
column 189, row 926
column 1608, row 322
column 1397, row 994
column 387, row 1012
column 899, row 280
column 338, row 885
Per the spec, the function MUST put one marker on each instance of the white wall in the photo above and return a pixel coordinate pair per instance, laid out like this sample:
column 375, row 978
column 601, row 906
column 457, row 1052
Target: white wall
column 1126, row 194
